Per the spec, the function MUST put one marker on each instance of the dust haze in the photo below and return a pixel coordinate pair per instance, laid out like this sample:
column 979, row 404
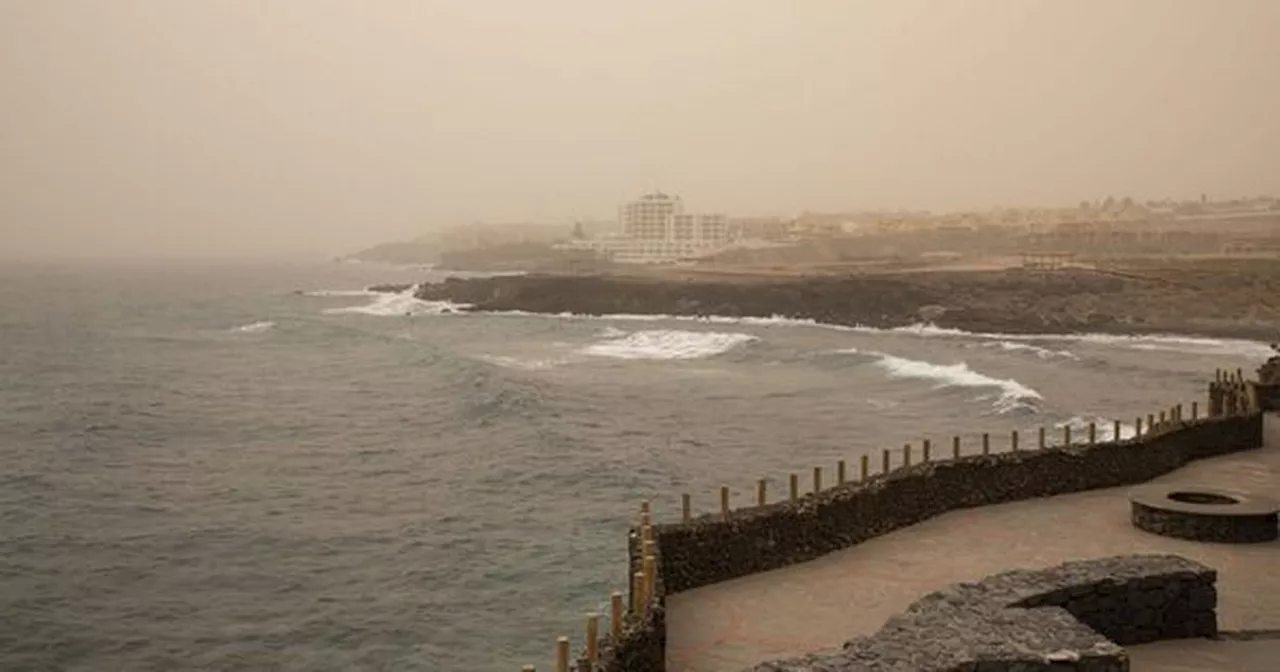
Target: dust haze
column 137, row 128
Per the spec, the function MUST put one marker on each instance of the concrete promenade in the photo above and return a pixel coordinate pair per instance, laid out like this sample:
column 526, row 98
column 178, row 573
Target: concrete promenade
column 818, row 605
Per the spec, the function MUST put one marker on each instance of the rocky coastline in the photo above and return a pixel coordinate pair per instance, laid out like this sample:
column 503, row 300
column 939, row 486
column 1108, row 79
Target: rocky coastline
column 1005, row 301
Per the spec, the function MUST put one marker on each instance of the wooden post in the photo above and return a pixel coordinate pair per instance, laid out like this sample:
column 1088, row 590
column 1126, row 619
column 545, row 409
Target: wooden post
column 986, row 443
column 885, row 458
column 615, row 615
column 840, row 473
column 864, row 466
column 817, row 480
column 1177, row 411
column 1162, row 420
column 1137, row 426
column 955, row 447
column 1115, row 431
column 1066, row 435
column 1042, row 438
column 562, row 654
column 637, row 593
column 650, row 575
column 593, row 635
column 761, row 492
column 795, row 487
column 724, row 501
column 924, row 451
column 1093, row 433
column 906, row 455
column 686, row 508
column 645, row 517
column 1013, row 440
column 1151, row 422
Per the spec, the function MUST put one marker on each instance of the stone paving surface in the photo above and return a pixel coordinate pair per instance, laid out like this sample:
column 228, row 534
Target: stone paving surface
column 1200, row 655
column 820, row 604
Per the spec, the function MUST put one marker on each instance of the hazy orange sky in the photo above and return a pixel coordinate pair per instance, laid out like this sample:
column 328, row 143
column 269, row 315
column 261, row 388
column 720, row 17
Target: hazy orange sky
column 271, row 127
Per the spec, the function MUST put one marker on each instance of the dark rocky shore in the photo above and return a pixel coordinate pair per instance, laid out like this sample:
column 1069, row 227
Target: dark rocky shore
column 1006, row 301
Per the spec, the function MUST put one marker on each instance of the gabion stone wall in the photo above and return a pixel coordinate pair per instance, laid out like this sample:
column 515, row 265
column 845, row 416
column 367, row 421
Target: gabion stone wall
column 1076, row 616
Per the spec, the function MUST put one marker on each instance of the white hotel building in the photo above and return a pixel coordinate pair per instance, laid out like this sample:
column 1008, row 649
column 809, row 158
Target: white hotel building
column 655, row 229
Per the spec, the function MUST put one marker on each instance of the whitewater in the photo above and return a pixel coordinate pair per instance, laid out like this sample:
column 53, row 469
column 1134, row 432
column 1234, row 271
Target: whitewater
column 257, row 467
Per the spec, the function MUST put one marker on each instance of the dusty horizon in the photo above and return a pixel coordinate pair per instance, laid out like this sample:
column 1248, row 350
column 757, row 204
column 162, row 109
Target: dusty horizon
column 144, row 128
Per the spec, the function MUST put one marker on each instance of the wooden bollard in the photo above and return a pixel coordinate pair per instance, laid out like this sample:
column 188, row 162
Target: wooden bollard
column 1013, row 440
column 1137, row 426
column 1195, row 410
column 761, row 492
column 1162, row 420
column 1042, row 438
column 795, row 487
column 615, row 615
column 955, row 447
column 864, row 467
column 724, row 501
column 1151, row 422
column 924, row 451
column 1115, row 431
column 886, row 459
column 562, row 654
column 686, row 507
column 637, row 593
column 840, row 473
column 1066, row 435
column 906, row 455
column 817, row 480
column 1093, row 433
column 1177, row 412
column 986, row 443
column 593, row 636
column 649, row 579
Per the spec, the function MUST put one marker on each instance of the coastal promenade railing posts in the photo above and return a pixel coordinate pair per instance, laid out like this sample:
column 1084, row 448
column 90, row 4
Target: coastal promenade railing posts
column 1229, row 395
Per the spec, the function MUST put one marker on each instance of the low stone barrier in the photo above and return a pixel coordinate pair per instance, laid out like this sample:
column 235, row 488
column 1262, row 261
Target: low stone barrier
column 665, row 559
column 714, row 548
column 1075, row 616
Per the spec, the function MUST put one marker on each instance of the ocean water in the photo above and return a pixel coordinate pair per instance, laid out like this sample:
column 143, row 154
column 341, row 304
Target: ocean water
column 243, row 466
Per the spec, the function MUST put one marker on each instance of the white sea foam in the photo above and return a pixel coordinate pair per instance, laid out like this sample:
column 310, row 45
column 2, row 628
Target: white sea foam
column 403, row 304
column 1038, row 351
column 340, row 292
column 1106, row 428
column 1011, row 395
column 668, row 344
column 255, row 327
column 522, row 364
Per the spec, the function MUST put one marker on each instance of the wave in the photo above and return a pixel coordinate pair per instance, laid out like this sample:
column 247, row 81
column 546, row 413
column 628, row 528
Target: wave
column 404, row 304
column 1038, row 351
column 1012, row 395
column 255, row 327
column 668, row 344
column 340, row 292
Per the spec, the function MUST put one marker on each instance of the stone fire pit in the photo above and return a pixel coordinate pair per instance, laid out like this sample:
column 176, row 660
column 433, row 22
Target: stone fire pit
column 1204, row 514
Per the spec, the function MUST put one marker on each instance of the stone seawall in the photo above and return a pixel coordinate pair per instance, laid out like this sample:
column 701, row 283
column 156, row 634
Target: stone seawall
column 1075, row 616
column 712, row 548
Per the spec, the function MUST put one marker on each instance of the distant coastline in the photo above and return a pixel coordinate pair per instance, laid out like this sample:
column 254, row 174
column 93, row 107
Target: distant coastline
column 1194, row 299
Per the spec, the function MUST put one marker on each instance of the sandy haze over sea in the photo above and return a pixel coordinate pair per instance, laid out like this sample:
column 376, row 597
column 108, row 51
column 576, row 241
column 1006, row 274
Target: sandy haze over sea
column 157, row 128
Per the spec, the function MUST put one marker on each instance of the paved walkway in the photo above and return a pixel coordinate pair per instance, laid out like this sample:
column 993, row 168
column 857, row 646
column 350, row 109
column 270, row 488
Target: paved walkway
column 1202, row 655
column 822, row 603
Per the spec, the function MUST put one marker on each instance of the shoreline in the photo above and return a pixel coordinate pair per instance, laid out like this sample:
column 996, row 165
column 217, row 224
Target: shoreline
column 1012, row 301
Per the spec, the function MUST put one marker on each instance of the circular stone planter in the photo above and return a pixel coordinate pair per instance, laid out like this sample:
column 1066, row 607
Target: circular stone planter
column 1204, row 514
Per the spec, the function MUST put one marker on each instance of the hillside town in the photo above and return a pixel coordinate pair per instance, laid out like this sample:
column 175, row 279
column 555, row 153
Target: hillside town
column 660, row 229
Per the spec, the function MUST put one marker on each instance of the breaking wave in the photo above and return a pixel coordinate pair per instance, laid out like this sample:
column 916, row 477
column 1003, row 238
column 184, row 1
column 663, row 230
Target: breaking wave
column 1038, row 351
column 403, row 304
column 255, row 327
column 1011, row 395
column 667, row 344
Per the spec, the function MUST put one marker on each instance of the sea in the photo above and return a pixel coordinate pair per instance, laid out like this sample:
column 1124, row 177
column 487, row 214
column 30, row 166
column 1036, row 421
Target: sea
column 262, row 466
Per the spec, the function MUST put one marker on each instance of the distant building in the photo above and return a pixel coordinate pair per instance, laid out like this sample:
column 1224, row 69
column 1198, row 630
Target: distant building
column 656, row 229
